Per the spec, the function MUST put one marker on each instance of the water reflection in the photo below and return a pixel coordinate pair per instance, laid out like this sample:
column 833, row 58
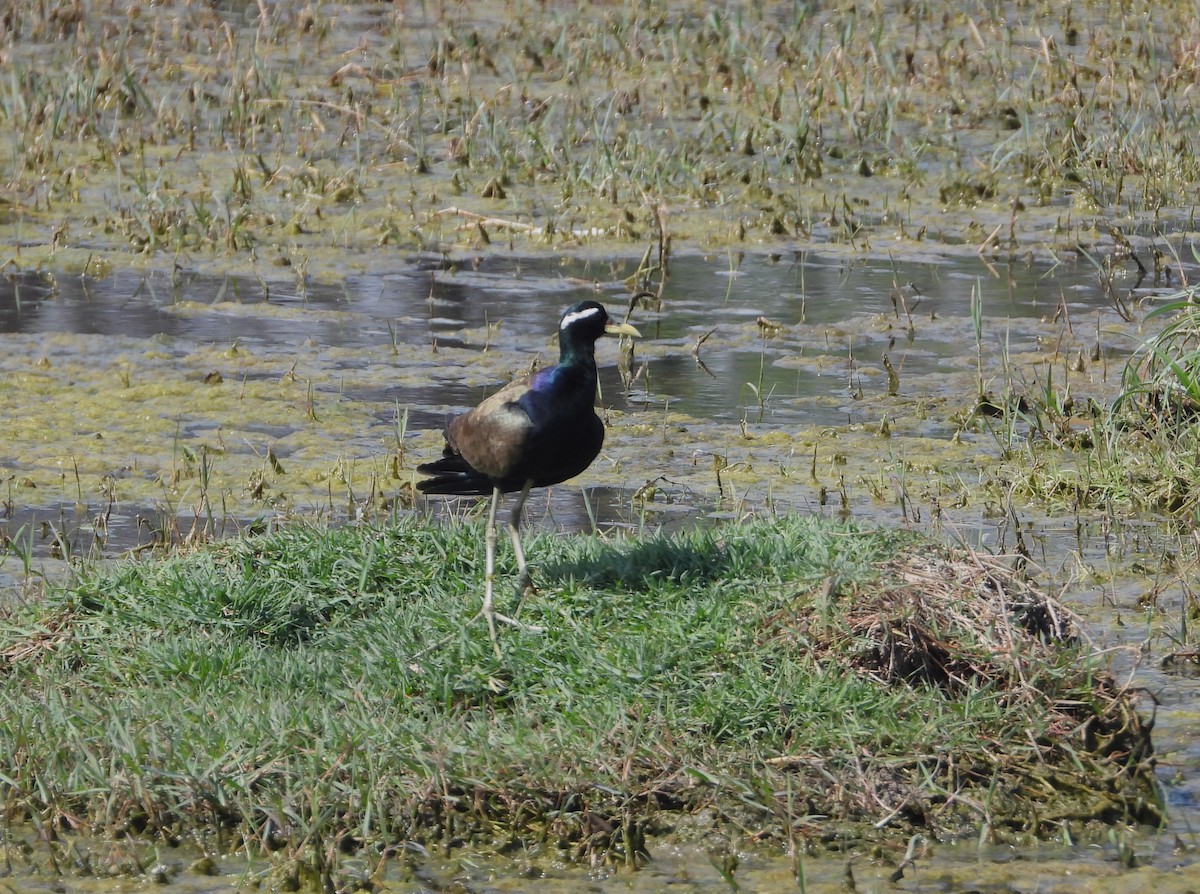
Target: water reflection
column 837, row 318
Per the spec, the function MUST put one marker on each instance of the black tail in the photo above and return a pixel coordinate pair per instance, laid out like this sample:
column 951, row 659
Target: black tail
column 453, row 475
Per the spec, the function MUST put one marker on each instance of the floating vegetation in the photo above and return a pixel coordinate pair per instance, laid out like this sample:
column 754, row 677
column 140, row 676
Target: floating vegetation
column 282, row 136
column 1140, row 452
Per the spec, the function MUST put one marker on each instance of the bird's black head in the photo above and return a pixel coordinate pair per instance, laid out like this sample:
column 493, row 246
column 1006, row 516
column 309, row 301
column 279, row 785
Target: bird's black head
column 582, row 324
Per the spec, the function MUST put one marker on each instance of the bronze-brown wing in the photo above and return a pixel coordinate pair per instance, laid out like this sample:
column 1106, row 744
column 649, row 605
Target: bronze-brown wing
column 492, row 437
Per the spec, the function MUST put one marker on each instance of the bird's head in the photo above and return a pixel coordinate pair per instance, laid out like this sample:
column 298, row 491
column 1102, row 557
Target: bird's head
column 587, row 321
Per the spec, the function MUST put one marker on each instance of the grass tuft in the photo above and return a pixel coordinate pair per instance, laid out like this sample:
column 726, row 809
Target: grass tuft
column 1139, row 455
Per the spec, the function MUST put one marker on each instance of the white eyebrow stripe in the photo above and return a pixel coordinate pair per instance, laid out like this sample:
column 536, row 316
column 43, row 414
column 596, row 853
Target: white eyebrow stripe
column 570, row 319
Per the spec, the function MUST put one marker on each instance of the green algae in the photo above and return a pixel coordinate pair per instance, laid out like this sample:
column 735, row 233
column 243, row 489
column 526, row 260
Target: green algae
column 140, row 420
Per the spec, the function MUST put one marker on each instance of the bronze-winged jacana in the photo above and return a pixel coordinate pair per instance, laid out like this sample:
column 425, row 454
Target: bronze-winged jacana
column 534, row 432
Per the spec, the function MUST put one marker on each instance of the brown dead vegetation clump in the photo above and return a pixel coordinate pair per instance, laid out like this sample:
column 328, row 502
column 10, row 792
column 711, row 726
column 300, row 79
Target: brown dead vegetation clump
column 955, row 620
column 962, row 623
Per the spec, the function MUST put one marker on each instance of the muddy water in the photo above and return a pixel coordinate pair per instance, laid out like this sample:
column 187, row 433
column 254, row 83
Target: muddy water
column 761, row 386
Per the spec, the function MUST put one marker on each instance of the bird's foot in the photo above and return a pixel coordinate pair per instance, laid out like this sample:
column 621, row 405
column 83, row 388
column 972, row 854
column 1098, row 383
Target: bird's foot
column 490, row 616
column 525, row 587
column 520, row 625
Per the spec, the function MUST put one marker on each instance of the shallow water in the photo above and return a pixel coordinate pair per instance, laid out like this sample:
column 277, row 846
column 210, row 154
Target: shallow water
column 837, row 317
column 426, row 339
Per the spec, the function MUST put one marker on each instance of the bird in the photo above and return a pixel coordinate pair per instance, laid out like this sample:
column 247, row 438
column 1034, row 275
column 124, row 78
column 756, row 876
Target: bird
column 536, row 431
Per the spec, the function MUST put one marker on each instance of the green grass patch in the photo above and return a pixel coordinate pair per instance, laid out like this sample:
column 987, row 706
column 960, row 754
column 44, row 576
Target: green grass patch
column 319, row 692
column 1162, row 378
column 1139, row 454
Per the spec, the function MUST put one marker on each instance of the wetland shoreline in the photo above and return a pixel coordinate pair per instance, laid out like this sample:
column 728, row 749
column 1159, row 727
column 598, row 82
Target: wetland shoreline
column 787, row 685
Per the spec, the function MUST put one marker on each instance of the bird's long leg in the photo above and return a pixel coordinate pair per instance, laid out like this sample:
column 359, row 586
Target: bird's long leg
column 488, row 612
column 524, row 582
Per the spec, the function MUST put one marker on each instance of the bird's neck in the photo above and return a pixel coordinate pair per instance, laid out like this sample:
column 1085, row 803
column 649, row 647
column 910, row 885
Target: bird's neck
column 575, row 356
column 573, row 373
